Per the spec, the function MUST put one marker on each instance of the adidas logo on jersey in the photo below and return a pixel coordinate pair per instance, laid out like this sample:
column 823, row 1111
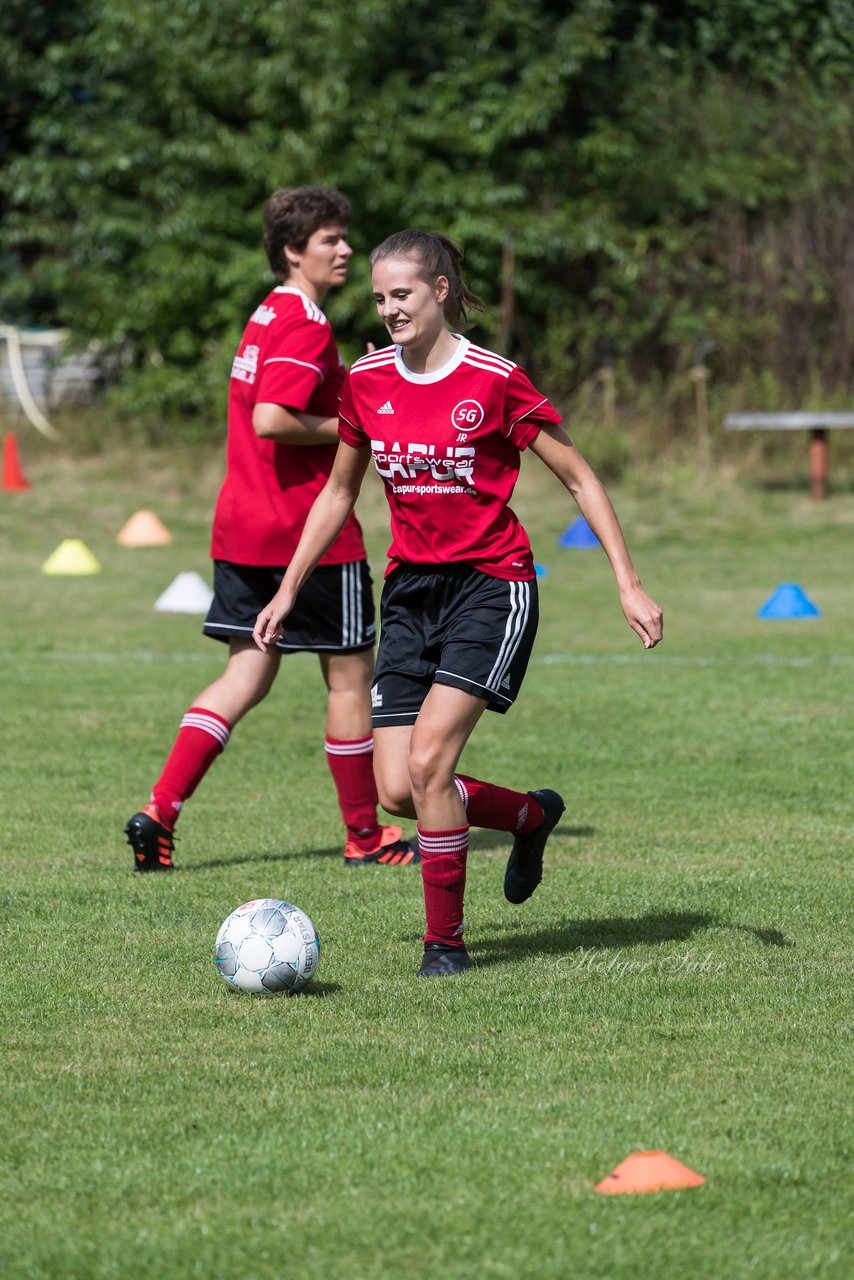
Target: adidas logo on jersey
column 385, row 408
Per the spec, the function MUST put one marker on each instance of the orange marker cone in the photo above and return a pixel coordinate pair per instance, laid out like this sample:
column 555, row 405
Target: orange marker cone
column 648, row 1171
column 14, row 479
column 144, row 529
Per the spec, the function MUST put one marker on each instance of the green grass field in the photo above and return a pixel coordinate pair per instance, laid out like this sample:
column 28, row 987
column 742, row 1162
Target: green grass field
column 681, row 981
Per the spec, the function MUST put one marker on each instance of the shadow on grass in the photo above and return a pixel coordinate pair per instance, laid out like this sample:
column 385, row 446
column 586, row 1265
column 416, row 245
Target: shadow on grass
column 768, row 937
column 479, row 839
column 316, row 990
column 255, row 858
column 615, row 933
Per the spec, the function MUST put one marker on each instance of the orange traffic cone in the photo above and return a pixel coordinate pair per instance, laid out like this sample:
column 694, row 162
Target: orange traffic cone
column 648, row 1171
column 14, row 479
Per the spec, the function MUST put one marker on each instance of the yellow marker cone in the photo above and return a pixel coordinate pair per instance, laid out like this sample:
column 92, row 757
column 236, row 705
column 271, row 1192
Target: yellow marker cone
column 144, row 529
column 71, row 557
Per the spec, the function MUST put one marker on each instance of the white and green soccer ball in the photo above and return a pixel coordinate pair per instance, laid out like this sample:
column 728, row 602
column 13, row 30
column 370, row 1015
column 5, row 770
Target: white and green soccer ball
column 267, row 945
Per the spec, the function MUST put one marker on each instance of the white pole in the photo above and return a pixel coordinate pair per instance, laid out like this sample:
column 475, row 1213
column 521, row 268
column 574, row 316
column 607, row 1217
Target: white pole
column 19, row 380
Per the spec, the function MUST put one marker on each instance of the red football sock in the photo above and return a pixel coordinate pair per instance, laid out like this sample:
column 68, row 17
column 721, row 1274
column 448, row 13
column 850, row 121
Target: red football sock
column 201, row 737
column 497, row 808
column 351, row 763
column 443, row 872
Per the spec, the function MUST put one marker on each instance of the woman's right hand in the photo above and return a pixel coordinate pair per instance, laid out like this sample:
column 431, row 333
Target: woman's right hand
column 268, row 625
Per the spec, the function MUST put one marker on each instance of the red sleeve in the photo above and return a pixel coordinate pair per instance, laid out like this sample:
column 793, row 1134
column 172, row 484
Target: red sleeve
column 349, row 429
column 295, row 363
column 526, row 410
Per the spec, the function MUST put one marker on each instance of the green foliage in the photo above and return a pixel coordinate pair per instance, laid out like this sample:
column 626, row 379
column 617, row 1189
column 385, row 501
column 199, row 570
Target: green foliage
column 664, row 171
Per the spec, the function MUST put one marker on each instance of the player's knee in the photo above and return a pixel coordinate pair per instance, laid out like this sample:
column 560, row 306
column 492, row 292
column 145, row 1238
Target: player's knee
column 427, row 772
column 395, row 796
column 257, row 695
column 245, row 694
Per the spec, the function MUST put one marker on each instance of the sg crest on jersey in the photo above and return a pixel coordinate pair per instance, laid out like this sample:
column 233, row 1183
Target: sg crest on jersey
column 467, row 415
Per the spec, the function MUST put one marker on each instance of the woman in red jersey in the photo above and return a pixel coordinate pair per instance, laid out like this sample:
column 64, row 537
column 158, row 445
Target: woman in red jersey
column 445, row 422
column 282, row 434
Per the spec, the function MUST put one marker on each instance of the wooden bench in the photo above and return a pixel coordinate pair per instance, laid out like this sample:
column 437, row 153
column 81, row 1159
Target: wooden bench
column 818, row 425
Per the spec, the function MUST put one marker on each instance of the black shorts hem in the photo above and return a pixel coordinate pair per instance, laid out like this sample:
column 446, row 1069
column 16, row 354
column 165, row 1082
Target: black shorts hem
column 393, row 719
column 489, row 696
column 226, row 631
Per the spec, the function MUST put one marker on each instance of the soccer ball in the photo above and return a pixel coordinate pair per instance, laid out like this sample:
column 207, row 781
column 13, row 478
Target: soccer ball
column 267, row 945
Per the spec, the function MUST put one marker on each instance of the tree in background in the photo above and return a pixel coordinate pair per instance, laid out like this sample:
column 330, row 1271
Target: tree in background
column 662, row 171
column 27, row 29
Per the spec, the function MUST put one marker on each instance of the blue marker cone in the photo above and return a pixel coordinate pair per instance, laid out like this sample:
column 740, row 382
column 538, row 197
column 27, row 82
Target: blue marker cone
column 540, row 570
column 789, row 601
column 578, row 535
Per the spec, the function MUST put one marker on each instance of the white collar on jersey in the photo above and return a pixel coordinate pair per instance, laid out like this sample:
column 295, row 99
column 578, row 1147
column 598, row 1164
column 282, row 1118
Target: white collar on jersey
column 437, row 375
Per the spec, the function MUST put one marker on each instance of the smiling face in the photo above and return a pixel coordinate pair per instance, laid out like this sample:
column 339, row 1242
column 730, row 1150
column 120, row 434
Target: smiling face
column 322, row 263
column 409, row 306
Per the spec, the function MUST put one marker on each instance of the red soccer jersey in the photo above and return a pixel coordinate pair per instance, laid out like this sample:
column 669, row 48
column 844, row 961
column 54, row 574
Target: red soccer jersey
column 447, row 445
column 287, row 356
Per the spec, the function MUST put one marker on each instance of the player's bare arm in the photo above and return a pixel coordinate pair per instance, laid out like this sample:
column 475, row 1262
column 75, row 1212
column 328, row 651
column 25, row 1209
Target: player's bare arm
column 330, row 512
column 290, row 426
column 553, row 447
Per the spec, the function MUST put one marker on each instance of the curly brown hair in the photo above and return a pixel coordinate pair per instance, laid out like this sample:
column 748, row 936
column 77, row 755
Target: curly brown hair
column 293, row 214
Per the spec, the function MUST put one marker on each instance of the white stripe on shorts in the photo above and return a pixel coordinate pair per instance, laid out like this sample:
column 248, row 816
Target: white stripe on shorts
column 351, row 606
column 514, row 631
column 345, row 607
column 357, row 596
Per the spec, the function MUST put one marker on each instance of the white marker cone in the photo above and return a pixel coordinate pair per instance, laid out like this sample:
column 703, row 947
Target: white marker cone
column 189, row 593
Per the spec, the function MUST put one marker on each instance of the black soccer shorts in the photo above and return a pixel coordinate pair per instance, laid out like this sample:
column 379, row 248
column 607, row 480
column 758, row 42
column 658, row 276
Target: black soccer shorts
column 334, row 611
column 452, row 625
